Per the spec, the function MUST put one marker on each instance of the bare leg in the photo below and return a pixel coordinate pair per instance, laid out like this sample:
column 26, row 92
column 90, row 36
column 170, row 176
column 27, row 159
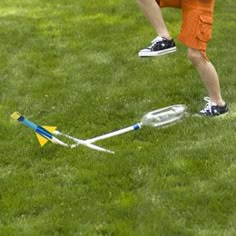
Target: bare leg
column 208, row 75
column 152, row 11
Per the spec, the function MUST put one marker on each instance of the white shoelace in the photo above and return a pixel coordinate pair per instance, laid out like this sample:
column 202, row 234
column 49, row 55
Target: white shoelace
column 157, row 39
column 208, row 106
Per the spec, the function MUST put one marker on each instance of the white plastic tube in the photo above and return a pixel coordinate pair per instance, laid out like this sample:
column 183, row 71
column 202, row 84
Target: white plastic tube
column 82, row 142
column 115, row 133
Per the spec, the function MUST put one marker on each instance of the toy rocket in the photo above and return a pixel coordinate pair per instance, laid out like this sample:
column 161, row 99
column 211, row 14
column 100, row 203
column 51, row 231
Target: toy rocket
column 43, row 133
column 47, row 133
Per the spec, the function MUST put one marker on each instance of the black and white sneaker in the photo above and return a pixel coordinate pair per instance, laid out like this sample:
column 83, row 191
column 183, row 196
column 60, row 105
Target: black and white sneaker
column 158, row 47
column 212, row 109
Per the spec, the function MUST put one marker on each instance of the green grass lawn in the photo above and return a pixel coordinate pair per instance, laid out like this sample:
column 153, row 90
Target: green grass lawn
column 74, row 64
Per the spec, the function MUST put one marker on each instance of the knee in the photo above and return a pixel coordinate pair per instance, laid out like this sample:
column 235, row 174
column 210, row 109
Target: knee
column 195, row 56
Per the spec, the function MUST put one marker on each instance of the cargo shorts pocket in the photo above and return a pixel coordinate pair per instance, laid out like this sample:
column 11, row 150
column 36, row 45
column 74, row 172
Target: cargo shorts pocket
column 204, row 28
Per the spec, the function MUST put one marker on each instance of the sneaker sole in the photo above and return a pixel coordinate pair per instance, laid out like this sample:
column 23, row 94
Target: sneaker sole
column 156, row 53
column 204, row 116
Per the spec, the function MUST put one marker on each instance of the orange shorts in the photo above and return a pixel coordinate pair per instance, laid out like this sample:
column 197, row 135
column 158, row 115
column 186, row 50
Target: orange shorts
column 197, row 18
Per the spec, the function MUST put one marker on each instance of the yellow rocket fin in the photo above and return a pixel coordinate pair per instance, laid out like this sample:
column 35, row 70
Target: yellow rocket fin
column 16, row 115
column 51, row 129
column 41, row 140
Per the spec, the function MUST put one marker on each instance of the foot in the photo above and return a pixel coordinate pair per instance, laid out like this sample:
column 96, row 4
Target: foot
column 212, row 109
column 158, row 47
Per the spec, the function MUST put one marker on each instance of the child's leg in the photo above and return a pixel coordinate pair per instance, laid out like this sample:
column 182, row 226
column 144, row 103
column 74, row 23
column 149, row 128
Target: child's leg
column 208, row 75
column 152, row 11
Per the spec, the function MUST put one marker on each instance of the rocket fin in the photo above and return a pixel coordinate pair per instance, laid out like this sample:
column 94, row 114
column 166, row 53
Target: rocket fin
column 51, row 129
column 41, row 140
